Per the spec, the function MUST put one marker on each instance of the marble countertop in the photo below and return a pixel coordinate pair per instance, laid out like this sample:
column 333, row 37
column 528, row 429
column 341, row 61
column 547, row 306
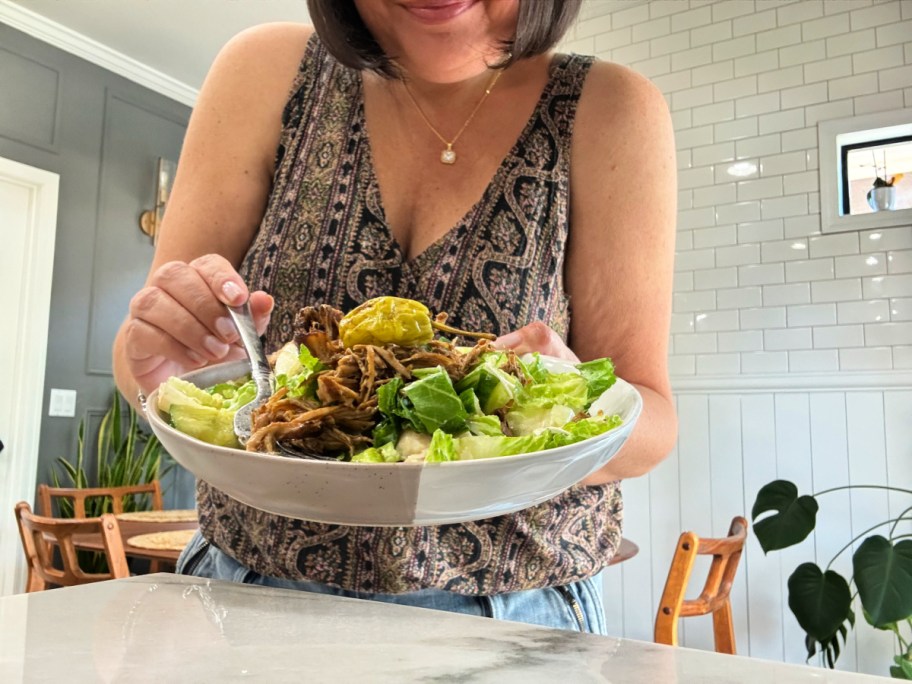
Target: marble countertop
column 168, row 628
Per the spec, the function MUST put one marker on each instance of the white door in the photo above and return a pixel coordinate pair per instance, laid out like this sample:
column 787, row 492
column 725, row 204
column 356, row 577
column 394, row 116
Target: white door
column 28, row 222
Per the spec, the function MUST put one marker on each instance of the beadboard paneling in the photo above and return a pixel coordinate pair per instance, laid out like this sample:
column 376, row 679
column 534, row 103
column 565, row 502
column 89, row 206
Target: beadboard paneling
column 730, row 445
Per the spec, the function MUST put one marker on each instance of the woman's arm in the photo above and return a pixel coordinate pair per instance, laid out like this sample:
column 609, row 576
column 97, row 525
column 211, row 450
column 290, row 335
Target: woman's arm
column 177, row 321
column 621, row 252
column 620, row 255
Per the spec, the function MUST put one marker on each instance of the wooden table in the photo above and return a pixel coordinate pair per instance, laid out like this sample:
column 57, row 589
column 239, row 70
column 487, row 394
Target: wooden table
column 129, row 529
column 626, row 550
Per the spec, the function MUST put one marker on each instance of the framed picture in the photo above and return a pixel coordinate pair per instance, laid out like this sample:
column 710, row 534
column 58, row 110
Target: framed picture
column 866, row 171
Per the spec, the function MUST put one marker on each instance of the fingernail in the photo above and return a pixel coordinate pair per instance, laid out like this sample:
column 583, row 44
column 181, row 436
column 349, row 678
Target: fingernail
column 224, row 326
column 196, row 358
column 232, row 292
column 509, row 340
column 215, row 346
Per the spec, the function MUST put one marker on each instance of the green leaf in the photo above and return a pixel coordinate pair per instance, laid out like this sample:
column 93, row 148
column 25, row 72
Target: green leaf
column 883, row 575
column 484, row 425
column 441, row 448
column 385, row 454
column 794, row 520
column 905, row 667
column 599, row 376
column 561, row 389
column 386, row 432
column 821, row 602
column 535, row 369
column 435, row 403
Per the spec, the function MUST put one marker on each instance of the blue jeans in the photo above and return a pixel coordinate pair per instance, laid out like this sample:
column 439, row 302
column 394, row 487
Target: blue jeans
column 577, row 606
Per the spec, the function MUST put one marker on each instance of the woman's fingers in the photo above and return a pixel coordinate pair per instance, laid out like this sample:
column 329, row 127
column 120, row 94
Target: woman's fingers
column 261, row 306
column 179, row 322
column 177, row 313
column 222, row 279
column 153, row 356
column 192, row 286
column 536, row 337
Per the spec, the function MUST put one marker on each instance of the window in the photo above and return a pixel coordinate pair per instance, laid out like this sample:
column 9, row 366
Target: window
column 866, row 171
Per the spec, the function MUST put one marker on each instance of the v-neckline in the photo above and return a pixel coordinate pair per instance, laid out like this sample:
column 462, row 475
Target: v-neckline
column 373, row 184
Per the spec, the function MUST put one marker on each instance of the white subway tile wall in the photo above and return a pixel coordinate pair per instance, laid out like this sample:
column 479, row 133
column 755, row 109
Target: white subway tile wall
column 758, row 288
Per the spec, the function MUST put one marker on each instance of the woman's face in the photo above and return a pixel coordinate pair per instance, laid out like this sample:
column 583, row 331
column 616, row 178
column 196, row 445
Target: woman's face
column 441, row 41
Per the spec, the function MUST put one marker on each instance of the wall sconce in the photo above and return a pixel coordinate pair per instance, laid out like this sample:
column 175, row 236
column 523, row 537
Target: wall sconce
column 150, row 221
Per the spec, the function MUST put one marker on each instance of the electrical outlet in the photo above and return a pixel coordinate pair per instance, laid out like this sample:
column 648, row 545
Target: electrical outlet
column 63, row 403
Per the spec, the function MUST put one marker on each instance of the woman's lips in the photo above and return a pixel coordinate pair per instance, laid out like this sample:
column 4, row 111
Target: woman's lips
column 434, row 12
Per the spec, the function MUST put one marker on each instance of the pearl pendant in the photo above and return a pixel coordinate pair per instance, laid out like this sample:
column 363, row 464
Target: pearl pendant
column 448, row 156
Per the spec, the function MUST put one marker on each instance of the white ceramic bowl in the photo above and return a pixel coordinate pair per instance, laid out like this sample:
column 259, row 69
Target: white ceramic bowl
column 394, row 493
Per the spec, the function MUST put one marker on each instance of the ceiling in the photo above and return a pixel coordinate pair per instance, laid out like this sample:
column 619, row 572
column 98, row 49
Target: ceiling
column 178, row 38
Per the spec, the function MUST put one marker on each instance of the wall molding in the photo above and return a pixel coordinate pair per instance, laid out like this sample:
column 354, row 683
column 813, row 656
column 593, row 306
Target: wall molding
column 792, row 382
column 91, row 50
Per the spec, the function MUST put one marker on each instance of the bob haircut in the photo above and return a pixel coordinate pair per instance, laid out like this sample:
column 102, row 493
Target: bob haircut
column 540, row 26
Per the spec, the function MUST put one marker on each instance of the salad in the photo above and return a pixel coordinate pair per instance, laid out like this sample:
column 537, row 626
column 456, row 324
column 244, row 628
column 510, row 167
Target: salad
column 379, row 385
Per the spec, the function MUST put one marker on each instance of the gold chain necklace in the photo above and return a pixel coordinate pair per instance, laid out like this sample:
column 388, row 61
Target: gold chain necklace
column 448, row 155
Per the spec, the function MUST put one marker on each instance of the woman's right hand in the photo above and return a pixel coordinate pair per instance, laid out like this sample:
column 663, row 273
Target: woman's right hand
column 178, row 321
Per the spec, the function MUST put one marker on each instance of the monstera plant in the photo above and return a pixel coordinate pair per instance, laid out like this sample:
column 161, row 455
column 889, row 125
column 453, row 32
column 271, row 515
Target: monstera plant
column 821, row 600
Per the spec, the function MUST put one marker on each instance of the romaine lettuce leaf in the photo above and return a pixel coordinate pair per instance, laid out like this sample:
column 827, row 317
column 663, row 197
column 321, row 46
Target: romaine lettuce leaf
column 599, row 376
column 534, row 368
column 435, row 404
column 207, row 423
column 472, row 447
column 590, row 427
column 175, row 391
column 525, row 420
column 495, row 388
column 385, row 454
column 441, row 448
column 559, row 389
column 484, row 425
column 299, row 377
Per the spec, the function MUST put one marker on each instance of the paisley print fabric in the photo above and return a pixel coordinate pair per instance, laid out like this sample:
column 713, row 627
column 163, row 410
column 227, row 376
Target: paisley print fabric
column 324, row 239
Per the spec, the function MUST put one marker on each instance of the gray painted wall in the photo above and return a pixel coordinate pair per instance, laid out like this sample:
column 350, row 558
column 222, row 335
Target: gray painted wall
column 102, row 134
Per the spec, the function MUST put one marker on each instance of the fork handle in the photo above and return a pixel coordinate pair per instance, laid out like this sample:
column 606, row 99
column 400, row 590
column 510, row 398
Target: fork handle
column 259, row 365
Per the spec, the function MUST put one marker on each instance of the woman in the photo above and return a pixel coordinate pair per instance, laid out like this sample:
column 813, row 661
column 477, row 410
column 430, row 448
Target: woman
column 438, row 150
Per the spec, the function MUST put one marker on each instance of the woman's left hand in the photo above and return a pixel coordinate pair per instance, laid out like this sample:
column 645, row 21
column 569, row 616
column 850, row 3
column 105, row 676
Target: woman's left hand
column 536, row 337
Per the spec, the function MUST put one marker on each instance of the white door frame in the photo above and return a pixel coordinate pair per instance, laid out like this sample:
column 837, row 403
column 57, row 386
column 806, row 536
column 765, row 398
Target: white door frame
column 30, row 323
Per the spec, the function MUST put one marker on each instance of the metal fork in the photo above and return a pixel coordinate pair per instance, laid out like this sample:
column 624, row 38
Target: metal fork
column 260, row 370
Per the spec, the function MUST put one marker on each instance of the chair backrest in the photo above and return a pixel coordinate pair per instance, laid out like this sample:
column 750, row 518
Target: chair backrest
column 40, row 535
column 715, row 597
column 47, row 495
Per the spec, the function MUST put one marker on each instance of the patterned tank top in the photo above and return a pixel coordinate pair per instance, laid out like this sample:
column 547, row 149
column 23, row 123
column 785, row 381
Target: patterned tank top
column 324, row 239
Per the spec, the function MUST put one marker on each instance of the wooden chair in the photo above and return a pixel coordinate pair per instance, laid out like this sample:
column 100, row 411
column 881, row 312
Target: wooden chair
column 78, row 497
column 48, row 495
column 41, row 534
column 714, row 598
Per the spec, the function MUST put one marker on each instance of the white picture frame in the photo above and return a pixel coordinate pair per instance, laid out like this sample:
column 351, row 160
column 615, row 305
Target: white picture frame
column 831, row 137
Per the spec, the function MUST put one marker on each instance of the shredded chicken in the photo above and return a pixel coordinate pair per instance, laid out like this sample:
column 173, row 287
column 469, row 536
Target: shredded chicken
column 343, row 413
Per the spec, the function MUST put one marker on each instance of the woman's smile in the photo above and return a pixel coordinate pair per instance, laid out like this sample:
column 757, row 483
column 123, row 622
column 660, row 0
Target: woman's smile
column 437, row 11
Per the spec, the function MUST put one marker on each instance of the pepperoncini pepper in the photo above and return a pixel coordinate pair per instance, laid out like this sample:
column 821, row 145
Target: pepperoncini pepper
column 394, row 320
column 387, row 320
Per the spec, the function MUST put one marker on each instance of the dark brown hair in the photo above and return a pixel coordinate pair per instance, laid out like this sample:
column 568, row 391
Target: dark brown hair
column 540, row 26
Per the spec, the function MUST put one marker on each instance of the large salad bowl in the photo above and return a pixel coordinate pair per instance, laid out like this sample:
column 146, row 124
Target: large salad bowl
column 394, row 494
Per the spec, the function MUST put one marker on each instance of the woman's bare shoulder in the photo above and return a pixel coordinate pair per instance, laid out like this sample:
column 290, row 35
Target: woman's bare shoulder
column 264, row 55
column 619, row 96
column 247, row 88
column 622, row 121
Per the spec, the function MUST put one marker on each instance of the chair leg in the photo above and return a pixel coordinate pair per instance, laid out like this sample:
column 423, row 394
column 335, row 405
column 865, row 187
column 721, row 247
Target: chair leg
column 34, row 583
column 724, row 630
